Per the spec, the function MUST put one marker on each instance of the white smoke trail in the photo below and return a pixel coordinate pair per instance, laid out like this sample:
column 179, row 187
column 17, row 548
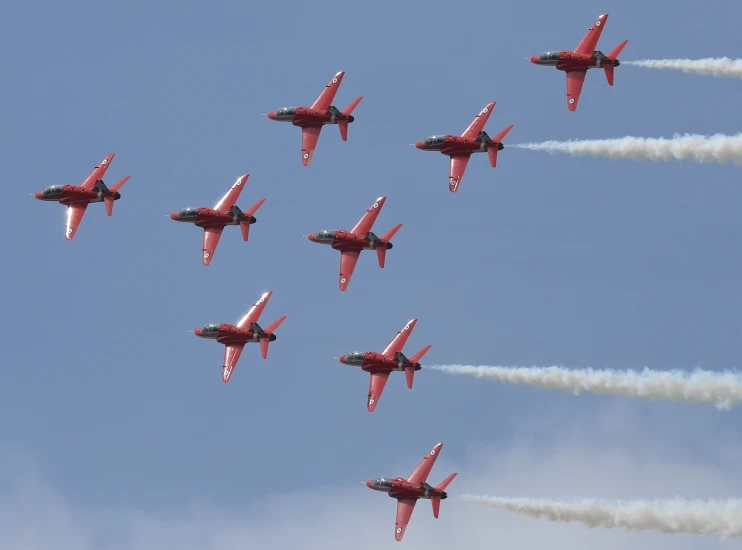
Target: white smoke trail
column 722, row 389
column 718, row 148
column 715, row 517
column 722, row 66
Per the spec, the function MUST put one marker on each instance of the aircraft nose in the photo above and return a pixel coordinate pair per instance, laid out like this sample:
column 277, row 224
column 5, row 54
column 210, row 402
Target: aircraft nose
column 37, row 194
column 271, row 115
column 174, row 216
column 370, row 484
column 534, row 59
column 312, row 237
column 343, row 359
column 419, row 144
column 197, row 332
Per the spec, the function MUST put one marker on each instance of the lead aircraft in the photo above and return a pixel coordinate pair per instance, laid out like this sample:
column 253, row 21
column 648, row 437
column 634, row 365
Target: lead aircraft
column 584, row 57
column 77, row 197
column 409, row 491
column 460, row 148
column 350, row 243
column 234, row 337
column 381, row 365
column 214, row 220
column 321, row 112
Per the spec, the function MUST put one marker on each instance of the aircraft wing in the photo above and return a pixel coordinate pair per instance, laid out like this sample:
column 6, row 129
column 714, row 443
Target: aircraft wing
column 405, row 507
column 75, row 212
column 309, row 138
column 232, row 354
column 348, row 261
column 254, row 312
column 477, row 125
column 456, row 170
column 365, row 224
column 229, row 200
column 211, row 240
column 575, row 80
column 400, row 339
column 97, row 173
column 422, row 471
column 324, row 100
column 376, row 387
column 590, row 41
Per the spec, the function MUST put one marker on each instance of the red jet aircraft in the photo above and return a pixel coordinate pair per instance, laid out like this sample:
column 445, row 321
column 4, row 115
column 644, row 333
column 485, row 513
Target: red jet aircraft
column 350, row 243
column 585, row 57
column 460, row 148
column 234, row 337
column 214, row 220
column 408, row 491
column 311, row 119
column 77, row 197
column 380, row 365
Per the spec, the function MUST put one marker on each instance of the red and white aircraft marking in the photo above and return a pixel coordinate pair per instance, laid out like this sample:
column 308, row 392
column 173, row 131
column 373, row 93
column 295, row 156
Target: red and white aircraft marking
column 234, row 337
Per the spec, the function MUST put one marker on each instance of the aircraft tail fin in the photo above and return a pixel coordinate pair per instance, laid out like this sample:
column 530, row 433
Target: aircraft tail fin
column 419, row 355
column 492, row 154
column 343, row 124
column 245, row 224
column 609, row 74
column 617, row 51
column 436, row 501
column 109, row 200
column 381, row 252
column 266, row 338
column 499, row 137
column 409, row 374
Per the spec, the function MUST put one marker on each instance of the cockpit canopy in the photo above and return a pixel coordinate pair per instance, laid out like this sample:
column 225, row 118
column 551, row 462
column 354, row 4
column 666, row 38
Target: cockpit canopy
column 53, row 190
column 325, row 235
column 433, row 140
column 356, row 356
column 188, row 213
column 210, row 329
column 286, row 112
column 548, row 56
column 382, row 483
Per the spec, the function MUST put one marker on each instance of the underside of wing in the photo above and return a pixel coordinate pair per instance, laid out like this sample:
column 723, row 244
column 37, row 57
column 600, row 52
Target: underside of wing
column 575, row 80
column 477, row 125
column 421, row 473
column 399, row 341
column 229, row 200
column 211, row 241
column 590, row 41
column 75, row 212
column 456, row 171
column 253, row 314
column 405, row 507
column 376, row 388
column 232, row 354
column 325, row 99
column 368, row 219
column 309, row 138
column 348, row 261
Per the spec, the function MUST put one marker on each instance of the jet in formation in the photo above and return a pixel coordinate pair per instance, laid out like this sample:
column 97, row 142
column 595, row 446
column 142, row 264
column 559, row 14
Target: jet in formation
column 214, row 220
column 576, row 63
column 77, row 197
column 380, row 365
column 408, row 491
column 234, row 337
column 350, row 243
column 460, row 148
column 321, row 112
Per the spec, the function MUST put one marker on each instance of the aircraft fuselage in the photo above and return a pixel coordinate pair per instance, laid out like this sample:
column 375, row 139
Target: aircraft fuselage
column 401, row 488
column 344, row 240
column 207, row 217
column 373, row 361
column 68, row 194
column 226, row 333
column 306, row 116
column 567, row 60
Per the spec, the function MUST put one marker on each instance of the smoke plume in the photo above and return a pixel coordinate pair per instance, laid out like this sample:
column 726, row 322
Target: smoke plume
column 722, row 66
column 718, row 148
column 716, row 517
column 722, row 389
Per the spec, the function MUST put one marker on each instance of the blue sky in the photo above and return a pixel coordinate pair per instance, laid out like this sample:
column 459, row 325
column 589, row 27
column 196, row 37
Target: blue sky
column 117, row 431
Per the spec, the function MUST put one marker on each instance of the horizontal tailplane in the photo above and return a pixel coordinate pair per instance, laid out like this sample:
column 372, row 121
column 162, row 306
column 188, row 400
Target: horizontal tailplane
column 265, row 340
column 436, row 501
column 389, row 234
column 492, row 153
column 109, row 200
column 617, row 50
column 409, row 373
column 343, row 124
column 499, row 137
column 381, row 254
column 419, row 355
column 245, row 224
column 609, row 74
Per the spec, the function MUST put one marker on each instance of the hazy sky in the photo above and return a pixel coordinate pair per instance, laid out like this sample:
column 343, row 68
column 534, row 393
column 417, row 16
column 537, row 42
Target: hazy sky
column 117, row 432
